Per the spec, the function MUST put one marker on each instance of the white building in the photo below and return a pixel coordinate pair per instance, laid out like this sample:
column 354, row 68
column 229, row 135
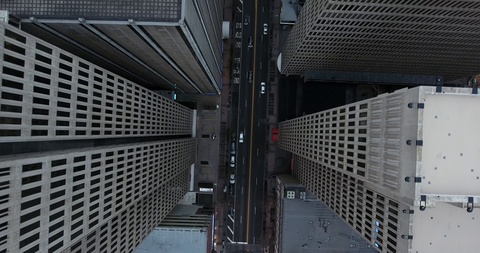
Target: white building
column 401, row 168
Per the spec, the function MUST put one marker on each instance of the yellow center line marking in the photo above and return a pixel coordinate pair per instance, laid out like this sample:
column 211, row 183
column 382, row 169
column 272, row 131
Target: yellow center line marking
column 251, row 120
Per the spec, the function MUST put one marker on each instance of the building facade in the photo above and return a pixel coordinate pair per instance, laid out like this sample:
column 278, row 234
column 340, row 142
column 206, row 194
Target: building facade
column 418, row 38
column 168, row 44
column 90, row 161
column 399, row 168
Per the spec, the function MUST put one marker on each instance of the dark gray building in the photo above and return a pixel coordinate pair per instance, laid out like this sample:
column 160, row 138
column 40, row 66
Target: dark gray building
column 186, row 229
column 419, row 37
column 167, row 44
column 305, row 224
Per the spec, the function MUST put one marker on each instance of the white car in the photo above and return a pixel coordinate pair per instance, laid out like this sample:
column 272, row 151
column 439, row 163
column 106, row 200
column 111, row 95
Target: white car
column 262, row 88
column 240, row 138
column 232, row 178
column 232, row 161
column 265, row 29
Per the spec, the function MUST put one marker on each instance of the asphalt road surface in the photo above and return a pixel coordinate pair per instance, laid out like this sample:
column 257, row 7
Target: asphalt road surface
column 252, row 113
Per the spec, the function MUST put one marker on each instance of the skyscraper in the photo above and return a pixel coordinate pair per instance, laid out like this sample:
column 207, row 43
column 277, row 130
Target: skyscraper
column 89, row 161
column 400, row 168
column 415, row 37
column 167, row 44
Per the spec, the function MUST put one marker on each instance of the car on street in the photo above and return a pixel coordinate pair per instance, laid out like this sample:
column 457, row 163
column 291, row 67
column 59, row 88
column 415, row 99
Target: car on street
column 232, row 178
column 262, row 88
column 250, row 42
column 232, row 161
column 250, row 76
column 232, row 149
column 240, row 138
column 265, row 29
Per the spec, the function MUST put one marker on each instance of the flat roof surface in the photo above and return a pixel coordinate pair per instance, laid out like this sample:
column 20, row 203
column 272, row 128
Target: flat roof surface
column 311, row 227
column 182, row 231
column 288, row 14
column 178, row 240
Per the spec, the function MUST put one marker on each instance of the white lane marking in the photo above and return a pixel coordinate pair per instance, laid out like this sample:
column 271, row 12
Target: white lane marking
column 242, row 190
column 255, row 210
column 241, row 219
column 228, row 238
column 231, row 231
column 243, row 160
column 254, row 240
column 257, row 151
column 239, row 10
column 231, row 218
column 261, row 64
column 256, row 181
column 240, row 1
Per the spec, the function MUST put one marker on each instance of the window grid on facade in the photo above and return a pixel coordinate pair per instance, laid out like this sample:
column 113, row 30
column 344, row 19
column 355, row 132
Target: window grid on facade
column 377, row 164
column 386, row 36
column 186, row 48
column 49, row 94
column 371, row 214
column 52, row 202
column 341, row 153
column 127, row 230
column 365, row 139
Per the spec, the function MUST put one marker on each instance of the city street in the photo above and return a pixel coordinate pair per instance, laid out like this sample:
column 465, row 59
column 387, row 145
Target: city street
column 251, row 122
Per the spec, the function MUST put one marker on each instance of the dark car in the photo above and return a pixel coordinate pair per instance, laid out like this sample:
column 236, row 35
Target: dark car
column 231, row 189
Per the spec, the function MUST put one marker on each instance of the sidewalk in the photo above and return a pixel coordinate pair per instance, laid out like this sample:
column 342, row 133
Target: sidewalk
column 274, row 154
column 221, row 205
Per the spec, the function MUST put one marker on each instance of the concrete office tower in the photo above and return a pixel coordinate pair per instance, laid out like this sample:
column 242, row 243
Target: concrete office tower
column 401, row 169
column 89, row 161
column 159, row 44
column 426, row 37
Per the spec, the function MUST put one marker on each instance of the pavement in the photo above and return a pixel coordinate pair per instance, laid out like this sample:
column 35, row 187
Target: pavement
column 221, row 203
column 278, row 160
